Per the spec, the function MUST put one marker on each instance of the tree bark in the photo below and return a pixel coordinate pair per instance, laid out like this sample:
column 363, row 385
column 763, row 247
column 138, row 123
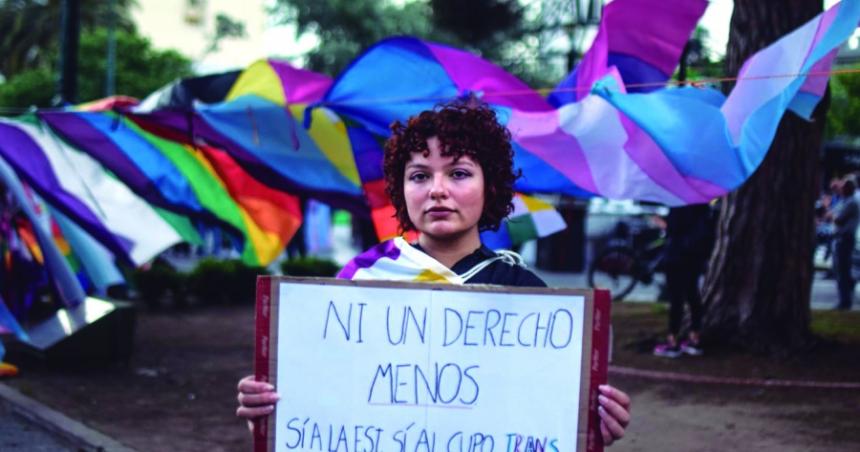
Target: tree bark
column 759, row 281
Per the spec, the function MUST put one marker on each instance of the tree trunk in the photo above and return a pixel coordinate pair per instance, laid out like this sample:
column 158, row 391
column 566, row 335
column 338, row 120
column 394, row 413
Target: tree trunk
column 759, row 281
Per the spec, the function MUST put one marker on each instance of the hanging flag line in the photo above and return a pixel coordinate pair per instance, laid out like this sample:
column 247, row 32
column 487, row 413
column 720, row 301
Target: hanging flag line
column 392, row 100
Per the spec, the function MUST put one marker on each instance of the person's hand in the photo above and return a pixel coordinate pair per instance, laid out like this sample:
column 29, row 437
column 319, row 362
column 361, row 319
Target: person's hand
column 614, row 410
column 256, row 399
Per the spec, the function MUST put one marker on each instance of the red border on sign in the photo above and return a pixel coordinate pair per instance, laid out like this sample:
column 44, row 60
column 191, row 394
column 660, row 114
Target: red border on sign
column 262, row 354
column 599, row 365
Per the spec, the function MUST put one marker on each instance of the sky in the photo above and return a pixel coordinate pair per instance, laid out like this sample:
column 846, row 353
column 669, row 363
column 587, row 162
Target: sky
column 716, row 20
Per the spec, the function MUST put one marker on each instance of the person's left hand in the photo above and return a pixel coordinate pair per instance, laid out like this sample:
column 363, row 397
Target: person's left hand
column 614, row 410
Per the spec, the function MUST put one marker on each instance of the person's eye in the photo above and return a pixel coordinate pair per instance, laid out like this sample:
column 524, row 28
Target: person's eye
column 417, row 177
column 460, row 174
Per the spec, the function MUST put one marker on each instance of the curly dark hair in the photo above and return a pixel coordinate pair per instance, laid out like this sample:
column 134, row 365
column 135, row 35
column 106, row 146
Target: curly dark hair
column 463, row 128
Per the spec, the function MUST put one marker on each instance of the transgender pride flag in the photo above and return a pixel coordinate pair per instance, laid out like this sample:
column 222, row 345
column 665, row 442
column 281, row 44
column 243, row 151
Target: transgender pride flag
column 642, row 39
column 708, row 144
column 673, row 146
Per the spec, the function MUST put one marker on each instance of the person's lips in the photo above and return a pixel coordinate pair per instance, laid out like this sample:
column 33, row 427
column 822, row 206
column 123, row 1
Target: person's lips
column 437, row 212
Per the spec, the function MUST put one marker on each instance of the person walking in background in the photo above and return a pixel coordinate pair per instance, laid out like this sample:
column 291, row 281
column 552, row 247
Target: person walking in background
column 689, row 238
column 846, row 217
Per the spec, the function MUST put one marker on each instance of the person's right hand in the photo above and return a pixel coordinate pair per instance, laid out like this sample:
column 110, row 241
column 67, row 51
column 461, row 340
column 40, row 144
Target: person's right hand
column 256, row 399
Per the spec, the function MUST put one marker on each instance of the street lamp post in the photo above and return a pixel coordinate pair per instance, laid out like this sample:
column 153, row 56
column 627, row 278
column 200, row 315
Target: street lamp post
column 110, row 76
column 67, row 85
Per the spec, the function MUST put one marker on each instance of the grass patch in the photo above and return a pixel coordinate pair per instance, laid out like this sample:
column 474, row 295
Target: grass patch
column 841, row 326
column 838, row 325
column 639, row 309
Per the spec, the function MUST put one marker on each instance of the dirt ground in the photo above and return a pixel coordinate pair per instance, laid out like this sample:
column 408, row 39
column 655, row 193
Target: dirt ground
column 177, row 392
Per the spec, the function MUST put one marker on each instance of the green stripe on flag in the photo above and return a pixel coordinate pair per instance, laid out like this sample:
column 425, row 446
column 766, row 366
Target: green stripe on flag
column 181, row 224
column 521, row 229
column 206, row 186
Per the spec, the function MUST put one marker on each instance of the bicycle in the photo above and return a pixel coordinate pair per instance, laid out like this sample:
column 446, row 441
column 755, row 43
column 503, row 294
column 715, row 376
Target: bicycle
column 632, row 256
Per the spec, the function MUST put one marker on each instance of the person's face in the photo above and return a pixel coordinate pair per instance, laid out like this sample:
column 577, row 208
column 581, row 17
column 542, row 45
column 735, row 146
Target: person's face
column 444, row 198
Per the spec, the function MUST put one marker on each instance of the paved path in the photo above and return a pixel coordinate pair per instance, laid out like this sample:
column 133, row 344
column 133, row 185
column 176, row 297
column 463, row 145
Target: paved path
column 18, row 433
column 29, row 425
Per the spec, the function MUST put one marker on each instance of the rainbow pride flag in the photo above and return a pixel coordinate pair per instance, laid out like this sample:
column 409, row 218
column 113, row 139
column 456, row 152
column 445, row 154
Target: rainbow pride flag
column 269, row 217
column 69, row 290
column 264, row 121
column 74, row 183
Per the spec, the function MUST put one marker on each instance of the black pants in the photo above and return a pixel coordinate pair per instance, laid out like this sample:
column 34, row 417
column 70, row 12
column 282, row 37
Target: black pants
column 843, row 248
column 682, row 285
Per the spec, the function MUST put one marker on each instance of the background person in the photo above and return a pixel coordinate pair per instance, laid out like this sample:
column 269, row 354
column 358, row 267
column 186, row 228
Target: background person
column 689, row 232
column 846, row 218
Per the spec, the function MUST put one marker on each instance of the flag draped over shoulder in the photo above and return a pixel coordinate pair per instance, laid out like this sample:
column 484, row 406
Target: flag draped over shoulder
column 397, row 260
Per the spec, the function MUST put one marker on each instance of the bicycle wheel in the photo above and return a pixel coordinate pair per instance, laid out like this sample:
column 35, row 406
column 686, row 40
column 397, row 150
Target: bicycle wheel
column 614, row 270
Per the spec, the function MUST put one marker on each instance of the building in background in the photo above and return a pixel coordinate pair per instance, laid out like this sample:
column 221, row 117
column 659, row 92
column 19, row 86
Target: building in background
column 190, row 27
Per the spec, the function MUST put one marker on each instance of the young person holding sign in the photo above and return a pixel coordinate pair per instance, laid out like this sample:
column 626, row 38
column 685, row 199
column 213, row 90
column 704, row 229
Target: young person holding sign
column 449, row 173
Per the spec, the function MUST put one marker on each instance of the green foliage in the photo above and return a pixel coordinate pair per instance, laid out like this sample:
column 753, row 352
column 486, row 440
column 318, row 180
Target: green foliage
column 225, row 27
column 536, row 41
column 659, row 308
column 843, row 118
column 33, row 87
column 345, row 28
column 837, row 325
column 697, row 55
column 704, row 71
column 158, row 283
column 224, row 281
column 140, row 70
column 309, row 266
column 31, row 29
column 479, row 22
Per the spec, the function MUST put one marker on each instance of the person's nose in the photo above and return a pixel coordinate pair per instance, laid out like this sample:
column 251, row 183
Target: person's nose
column 438, row 189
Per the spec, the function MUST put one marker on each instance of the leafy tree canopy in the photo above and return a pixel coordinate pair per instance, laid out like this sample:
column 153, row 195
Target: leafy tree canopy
column 843, row 119
column 140, row 70
column 502, row 31
column 30, row 28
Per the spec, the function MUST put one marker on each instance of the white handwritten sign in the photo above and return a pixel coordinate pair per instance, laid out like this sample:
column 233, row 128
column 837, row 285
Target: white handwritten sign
column 392, row 367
